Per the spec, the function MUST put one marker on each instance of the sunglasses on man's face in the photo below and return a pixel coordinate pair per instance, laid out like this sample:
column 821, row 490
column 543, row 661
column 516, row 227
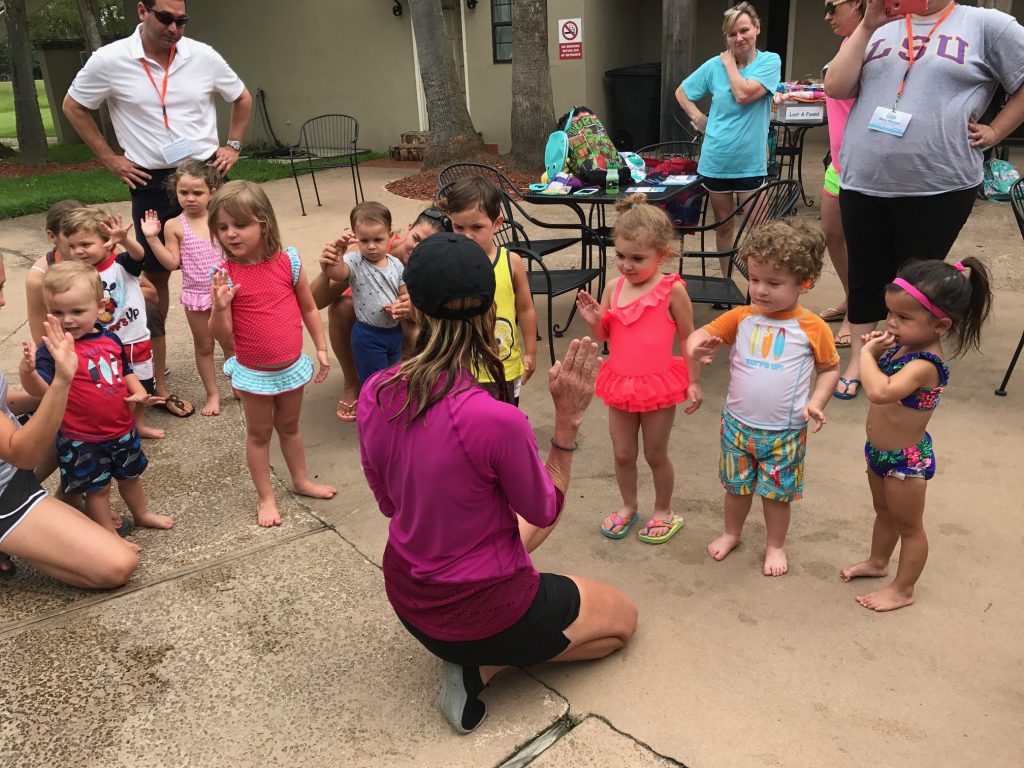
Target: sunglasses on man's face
column 167, row 19
column 830, row 8
column 439, row 216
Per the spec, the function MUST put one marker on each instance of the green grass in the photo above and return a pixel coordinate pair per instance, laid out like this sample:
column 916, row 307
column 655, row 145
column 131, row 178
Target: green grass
column 8, row 128
column 21, row 196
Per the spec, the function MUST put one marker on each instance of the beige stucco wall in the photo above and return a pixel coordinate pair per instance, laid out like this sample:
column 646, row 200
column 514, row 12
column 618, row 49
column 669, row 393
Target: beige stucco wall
column 490, row 84
column 313, row 58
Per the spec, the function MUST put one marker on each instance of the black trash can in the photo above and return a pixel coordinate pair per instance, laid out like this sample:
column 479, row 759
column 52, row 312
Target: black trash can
column 635, row 105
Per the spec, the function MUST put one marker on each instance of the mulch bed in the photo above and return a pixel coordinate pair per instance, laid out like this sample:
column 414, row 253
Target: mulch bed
column 10, row 170
column 423, row 185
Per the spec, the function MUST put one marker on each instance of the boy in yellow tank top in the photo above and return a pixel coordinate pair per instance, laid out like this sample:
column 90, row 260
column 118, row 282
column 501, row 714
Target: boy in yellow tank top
column 474, row 206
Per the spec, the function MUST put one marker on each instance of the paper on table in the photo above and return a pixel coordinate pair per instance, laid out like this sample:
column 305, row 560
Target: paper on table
column 680, row 179
column 645, row 189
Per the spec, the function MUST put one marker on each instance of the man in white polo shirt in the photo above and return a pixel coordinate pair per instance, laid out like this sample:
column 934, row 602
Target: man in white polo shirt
column 159, row 88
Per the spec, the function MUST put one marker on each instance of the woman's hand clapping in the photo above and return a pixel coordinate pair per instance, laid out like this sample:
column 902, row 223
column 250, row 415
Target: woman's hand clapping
column 571, row 380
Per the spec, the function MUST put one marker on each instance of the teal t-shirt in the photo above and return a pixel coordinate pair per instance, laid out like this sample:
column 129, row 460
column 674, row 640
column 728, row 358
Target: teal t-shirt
column 736, row 139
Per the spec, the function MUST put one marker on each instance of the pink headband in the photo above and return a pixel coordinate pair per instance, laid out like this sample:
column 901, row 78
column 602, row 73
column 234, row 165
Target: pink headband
column 921, row 298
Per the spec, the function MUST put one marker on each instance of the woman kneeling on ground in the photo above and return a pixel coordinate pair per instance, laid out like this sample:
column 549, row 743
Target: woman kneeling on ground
column 34, row 527
column 451, row 466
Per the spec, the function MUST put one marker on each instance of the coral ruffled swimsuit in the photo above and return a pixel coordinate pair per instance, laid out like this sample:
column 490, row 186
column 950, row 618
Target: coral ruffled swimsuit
column 641, row 373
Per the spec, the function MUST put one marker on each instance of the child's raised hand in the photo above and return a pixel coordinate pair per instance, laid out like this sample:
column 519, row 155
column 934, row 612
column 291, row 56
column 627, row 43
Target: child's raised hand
column 400, row 308
column 145, row 398
column 61, row 346
column 876, row 342
column 116, row 231
column 589, row 308
column 695, row 396
column 814, row 412
column 28, row 357
column 705, row 349
column 222, row 293
column 325, row 366
column 150, row 224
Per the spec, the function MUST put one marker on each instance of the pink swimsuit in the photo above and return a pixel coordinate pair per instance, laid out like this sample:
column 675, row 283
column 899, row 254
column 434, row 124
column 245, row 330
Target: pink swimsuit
column 199, row 260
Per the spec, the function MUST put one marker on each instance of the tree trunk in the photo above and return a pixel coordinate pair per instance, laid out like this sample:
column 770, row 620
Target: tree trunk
column 89, row 14
column 30, row 131
column 452, row 135
column 678, row 37
column 533, row 109
column 1001, row 5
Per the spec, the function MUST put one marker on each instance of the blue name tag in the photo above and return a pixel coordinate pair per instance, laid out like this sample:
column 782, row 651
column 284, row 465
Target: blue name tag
column 889, row 121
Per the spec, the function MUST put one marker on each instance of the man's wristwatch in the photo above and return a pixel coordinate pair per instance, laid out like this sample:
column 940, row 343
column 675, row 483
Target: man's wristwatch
column 235, row 145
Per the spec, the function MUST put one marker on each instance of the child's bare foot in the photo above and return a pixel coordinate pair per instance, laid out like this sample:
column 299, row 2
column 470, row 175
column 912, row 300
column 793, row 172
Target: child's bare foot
column 149, row 519
column 314, row 490
column 151, row 433
column 723, row 545
column 775, row 562
column 618, row 523
column 266, row 513
column 888, row 599
column 863, row 569
column 212, row 407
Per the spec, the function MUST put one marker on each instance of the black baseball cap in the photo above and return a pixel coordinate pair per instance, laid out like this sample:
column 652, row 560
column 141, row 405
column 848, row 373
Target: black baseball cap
column 447, row 266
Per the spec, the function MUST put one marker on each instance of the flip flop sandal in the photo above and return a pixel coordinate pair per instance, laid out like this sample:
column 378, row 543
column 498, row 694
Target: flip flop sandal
column 845, row 395
column 346, row 410
column 618, row 519
column 127, row 526
column 178, row 403
column 832, row 315
column 673, row 524
column 842, row 341
column 6, row 573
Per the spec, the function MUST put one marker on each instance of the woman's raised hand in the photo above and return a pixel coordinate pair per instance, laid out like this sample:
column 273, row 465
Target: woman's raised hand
column 571, row 380
column 875, row 15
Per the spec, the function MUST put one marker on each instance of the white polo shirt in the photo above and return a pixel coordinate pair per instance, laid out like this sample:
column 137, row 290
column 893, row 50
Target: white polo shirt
column 114, row 74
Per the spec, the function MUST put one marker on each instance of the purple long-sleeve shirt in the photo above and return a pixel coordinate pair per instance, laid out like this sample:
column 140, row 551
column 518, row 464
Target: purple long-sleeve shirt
column 452, row 483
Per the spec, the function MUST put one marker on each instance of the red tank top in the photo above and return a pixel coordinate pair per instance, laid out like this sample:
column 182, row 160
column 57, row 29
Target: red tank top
column 265, row 316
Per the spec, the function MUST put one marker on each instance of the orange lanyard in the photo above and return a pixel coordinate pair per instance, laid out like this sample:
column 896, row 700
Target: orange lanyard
column 911, row 48
column 162, row 92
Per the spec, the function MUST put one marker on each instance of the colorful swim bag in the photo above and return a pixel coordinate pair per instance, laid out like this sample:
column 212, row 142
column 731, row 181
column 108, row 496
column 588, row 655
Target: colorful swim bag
column 591, row 151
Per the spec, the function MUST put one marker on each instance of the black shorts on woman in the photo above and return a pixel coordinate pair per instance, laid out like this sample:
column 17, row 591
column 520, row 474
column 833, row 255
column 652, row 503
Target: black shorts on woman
column 538, row 636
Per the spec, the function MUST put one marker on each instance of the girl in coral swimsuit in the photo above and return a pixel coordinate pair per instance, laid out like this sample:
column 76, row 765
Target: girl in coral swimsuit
column 641, row 315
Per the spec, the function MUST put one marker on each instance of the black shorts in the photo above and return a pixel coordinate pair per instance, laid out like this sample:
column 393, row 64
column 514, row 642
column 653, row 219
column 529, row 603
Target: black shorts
column 537, row 637
column 22, row 493
column 745, row 184
column 153, row 196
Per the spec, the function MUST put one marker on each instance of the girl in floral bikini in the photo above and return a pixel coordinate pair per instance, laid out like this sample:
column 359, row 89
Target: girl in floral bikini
column 903, row 375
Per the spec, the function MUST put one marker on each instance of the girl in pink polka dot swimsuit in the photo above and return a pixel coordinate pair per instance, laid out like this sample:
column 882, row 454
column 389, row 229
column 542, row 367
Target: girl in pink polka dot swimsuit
column 187, row 245
column 260, row 301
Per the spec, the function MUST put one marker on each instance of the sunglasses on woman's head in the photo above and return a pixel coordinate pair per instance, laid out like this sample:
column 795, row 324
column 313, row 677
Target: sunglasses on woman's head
column 830, row 8
column 167, row 19
column 439, row 216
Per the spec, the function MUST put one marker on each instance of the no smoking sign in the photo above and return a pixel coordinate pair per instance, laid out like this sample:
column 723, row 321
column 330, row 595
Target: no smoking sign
column 570, row 38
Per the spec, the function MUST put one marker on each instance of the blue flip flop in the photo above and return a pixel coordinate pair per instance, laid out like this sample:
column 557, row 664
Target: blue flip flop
column 845, row 395
column 617, row 519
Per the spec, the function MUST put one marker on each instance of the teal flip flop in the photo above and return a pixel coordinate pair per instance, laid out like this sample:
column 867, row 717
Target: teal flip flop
column 618, row 519
column 845, row 394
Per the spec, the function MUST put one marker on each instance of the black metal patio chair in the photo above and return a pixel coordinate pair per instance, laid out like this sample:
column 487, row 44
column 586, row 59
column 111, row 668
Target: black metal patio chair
column 327, row 141
column 1017, row 203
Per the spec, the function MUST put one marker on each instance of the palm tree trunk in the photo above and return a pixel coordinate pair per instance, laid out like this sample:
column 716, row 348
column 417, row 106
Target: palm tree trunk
column 452, row 135
column 533, row 111
column 678, row 37
column 30, row 131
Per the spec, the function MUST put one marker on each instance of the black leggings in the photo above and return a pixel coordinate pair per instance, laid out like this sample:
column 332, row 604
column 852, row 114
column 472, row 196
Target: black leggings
column 884, row 232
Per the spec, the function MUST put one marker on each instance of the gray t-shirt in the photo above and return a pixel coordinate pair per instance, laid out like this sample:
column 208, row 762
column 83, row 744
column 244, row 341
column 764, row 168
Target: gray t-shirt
column 952, row 78
column 373, row 287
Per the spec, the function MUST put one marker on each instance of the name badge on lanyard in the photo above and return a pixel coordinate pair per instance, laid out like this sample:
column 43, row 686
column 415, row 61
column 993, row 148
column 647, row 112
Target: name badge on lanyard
column 892, row 121
column 175, row 150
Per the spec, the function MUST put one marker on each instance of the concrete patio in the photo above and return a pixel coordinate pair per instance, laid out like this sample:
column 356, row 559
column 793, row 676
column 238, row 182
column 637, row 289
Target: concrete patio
column 238, row 646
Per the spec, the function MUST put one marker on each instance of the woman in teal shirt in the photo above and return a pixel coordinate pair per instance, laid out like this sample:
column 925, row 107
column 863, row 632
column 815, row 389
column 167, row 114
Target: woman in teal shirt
column 740, row 81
